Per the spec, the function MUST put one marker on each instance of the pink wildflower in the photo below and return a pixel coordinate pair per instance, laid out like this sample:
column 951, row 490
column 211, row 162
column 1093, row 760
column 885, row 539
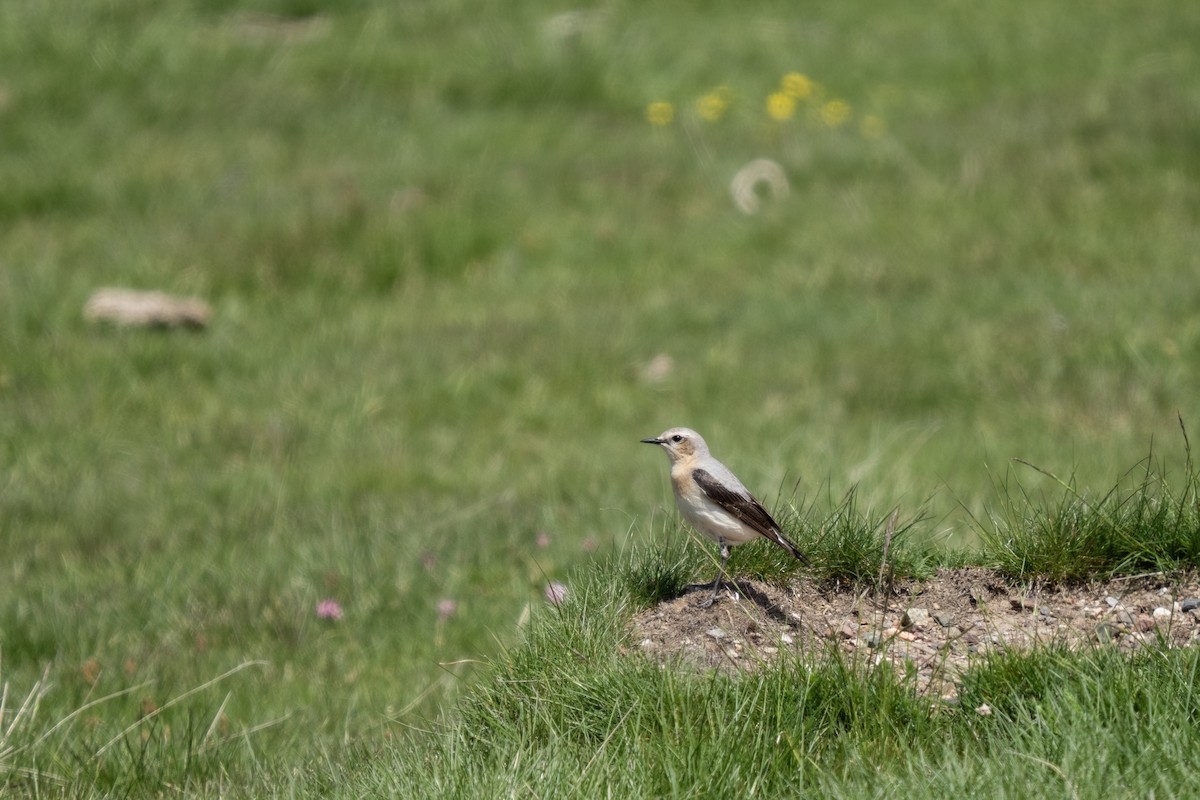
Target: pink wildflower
column 556, row 593
column 330, row 609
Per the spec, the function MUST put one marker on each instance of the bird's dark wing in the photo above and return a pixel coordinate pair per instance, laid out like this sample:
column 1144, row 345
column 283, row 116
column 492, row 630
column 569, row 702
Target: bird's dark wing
column 743, row 506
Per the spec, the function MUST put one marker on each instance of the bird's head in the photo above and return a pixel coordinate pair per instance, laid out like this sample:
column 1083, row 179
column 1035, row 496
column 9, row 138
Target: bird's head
column 680, row 443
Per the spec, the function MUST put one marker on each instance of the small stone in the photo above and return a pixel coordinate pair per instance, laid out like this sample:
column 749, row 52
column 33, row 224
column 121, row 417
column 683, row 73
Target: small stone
column 1106, row 632
column 914, row 617
column 954, row 632
column 646, row 643
column 716, row 633
column 786, row 638
column 848, row 630
column 907, row 636
column 1123, row 617
column 1045, row 611
column 872, row 639
column 1161, row 614
column 129, row 307
column 944, row 619
column 984, row 710
column 770, row 650
column 1191, row 604
column 1112, row 601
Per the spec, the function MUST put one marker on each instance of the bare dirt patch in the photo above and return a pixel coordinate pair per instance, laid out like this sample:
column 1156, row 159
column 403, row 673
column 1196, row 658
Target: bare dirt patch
column 934, row 627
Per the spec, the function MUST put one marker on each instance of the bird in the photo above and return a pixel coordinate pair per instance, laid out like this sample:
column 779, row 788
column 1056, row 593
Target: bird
column 714, row 501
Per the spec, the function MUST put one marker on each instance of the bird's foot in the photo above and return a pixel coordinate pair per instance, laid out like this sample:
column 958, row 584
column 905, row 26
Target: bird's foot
column 712, row 598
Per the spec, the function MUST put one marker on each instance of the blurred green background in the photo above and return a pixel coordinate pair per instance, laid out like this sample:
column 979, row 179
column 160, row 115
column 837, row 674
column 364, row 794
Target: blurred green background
column 460, row 265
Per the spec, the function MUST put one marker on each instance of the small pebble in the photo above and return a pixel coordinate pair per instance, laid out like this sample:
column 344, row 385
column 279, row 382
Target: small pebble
column 1112, row 601
column 1162, row 613
column 871, row 639
column 1191, row 604
column 786, row 638
column 944, row 619
column 914, row 617
column 716, row 633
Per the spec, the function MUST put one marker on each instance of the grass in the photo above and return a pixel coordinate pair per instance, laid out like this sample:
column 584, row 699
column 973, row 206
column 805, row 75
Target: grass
column 562, row 716
column 444, row 246
column 1152, row 525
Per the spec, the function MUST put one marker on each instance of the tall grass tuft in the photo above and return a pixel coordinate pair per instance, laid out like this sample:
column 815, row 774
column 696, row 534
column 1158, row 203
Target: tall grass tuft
column 652, row 573
column 1152, row 525
column 858, row 545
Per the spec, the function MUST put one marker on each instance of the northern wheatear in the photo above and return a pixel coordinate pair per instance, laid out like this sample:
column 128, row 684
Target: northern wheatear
column 714, row 501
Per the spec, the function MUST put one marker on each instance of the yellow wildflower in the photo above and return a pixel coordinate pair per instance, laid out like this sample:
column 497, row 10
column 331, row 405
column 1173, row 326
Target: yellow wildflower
column 797, row 86
column 713, row 105
column 660, row 113
column 781, row 106
column 872, row 127
column 835, row 113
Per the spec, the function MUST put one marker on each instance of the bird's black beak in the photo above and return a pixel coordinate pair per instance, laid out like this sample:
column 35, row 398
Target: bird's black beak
column 652, row 441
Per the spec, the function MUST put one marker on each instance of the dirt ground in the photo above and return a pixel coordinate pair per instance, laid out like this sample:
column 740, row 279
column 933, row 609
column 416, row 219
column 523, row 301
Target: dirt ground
column 937, row 626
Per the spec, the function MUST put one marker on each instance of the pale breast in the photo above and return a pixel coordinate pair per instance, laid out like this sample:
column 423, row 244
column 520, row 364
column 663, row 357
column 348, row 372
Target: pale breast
column 709, row 519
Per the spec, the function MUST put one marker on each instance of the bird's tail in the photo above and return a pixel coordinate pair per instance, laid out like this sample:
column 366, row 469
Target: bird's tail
column 778, row 538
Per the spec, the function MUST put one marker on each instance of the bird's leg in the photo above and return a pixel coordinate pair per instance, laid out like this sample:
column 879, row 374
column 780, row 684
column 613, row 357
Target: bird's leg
column 716, row 587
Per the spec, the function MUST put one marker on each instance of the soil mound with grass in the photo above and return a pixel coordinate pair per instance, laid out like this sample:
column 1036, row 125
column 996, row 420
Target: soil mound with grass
column 929, row 629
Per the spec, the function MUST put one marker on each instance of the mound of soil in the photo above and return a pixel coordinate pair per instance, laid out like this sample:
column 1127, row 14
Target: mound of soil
column 935, row 627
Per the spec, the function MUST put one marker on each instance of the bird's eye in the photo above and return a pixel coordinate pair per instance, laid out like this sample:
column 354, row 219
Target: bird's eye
column 677, row 438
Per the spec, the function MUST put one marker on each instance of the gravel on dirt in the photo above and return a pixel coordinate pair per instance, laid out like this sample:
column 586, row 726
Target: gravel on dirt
column 934, row 628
